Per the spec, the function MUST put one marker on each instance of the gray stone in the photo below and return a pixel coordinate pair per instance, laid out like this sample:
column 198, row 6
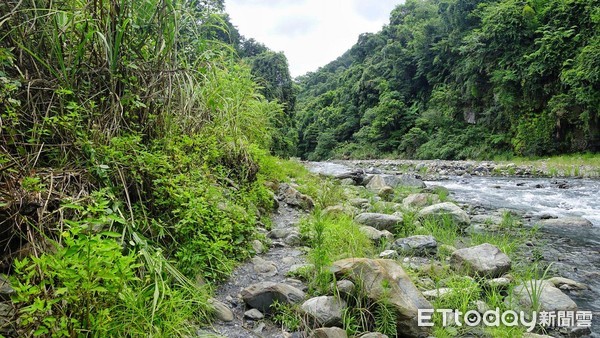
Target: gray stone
column 420, row 200
column 388, row 254
column 261, row 295
column 386, row 193
column 567, row 284
column 377, row 182
column 345, row 286
column 567, row 222
column 437, row 293
column 325, row 310
column 258, row 246
column 458, row 215
column 359, row 202
column 386, row 278
column 254, row 314
column 484, row 260
column 374, row 335
column 535, row 335
column 376, row 235
column 221, row 311
column 329, row 332
column 418, row 245
column 549, row 297
column 499, row 283
column 294, row 198
column 264, row 267
column 378, row 221
column 487, row 222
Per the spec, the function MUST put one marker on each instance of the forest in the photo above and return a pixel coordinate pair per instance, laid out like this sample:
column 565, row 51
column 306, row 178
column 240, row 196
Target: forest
column 460, row 79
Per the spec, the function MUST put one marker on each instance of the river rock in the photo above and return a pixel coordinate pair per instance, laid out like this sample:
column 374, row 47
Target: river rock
column 294, row 198
column 378, row 221
column 550, row 298
column 437, row 293
column 264, row 267
column 360, row 203
column 325, row 310
column 419, row 245
column 254, row 314
column 386, row 278
column 374, row 335
column 567, row 284
column 487, row 222
column 261, row 295
column 579, row 222
column 388, row 254
column 376, row 235
column 458, row 215
column 377, row 182
column 345, row 286
column 420, row 200
column 484, row 260
column 222, row 311
column 329, row 332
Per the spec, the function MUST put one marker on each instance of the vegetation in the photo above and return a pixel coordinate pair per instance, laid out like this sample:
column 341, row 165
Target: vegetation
column 456, row 79
column 133, row 156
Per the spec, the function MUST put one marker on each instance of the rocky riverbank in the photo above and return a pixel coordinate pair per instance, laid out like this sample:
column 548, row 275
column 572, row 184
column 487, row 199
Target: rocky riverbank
column 431, row 170
column 429, row 253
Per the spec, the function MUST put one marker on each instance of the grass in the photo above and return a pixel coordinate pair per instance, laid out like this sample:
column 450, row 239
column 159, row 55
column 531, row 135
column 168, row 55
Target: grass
column 578, row 165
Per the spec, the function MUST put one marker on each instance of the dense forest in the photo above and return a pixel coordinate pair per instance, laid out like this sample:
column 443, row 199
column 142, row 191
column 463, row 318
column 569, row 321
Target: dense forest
column 455, row 79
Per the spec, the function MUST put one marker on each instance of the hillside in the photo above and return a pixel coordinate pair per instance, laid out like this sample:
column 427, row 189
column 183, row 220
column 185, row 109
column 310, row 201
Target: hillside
column 456, row 79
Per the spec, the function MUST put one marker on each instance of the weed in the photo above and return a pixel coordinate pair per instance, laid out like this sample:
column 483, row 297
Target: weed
column 286, row 315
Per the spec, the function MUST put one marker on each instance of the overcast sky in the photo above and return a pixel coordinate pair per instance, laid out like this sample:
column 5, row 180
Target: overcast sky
column 311, row 33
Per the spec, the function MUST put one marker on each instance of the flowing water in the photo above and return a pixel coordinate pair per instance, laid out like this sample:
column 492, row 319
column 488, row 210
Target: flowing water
column 573, row 251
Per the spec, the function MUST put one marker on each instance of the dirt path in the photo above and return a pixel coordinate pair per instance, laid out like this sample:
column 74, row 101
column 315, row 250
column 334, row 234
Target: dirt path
column 270, row 266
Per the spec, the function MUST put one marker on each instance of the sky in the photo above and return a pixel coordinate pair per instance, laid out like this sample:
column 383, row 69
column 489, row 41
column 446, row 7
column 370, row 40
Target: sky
column 311, row 33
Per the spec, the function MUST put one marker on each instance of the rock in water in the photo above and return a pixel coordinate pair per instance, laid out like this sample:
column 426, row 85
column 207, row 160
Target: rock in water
column 325, row 310
column 261, row 295
column 439, row 210
column 419, row 245
column 384, row 278
column 378, row 221
column 567, row 222
column 484, row 260
column 545, row 294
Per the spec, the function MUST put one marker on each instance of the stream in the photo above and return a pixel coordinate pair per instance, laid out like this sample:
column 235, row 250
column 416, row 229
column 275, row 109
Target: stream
column 573, row 251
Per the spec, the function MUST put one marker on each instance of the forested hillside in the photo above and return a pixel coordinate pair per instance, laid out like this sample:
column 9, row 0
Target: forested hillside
column 455, row 79
column 134, row 150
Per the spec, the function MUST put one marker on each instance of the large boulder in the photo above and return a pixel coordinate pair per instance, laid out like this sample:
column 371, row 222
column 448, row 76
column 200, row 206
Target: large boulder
column 484, row 260
column 294, row 198
column 379, row 221
column 378, row 182
column 261, row 295
column 420, row 200
column 385, row 279
column 564, row 222
column 419, row 245
column 325, row 310
column 452, row 210
column 543, row 293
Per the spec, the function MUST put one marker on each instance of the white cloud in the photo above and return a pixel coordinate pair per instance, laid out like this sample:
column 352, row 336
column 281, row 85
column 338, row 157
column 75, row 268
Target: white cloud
column 311, row 33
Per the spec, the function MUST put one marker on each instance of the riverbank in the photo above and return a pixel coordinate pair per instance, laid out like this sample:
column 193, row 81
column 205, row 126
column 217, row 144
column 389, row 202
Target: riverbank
column 558, row 167
column 431, row 248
